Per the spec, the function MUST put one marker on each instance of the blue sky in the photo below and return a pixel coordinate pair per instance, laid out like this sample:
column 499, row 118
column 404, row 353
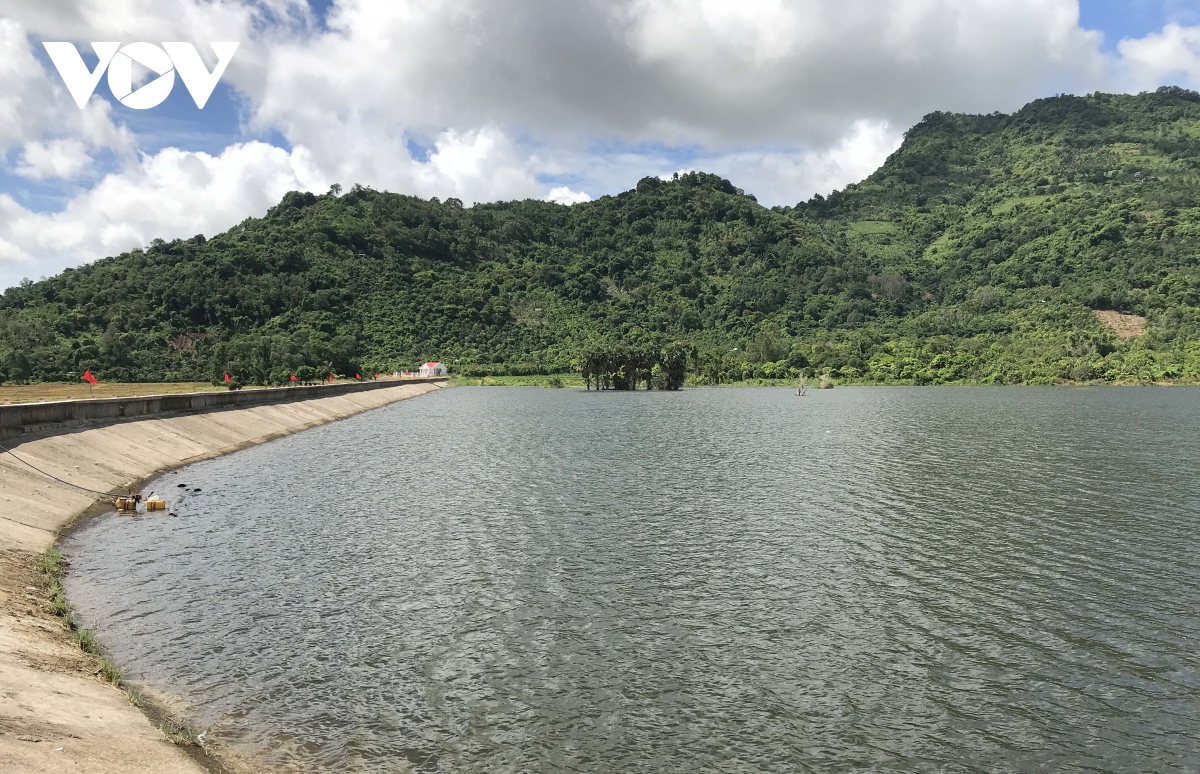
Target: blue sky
column 485, row 101
column 1119, row 19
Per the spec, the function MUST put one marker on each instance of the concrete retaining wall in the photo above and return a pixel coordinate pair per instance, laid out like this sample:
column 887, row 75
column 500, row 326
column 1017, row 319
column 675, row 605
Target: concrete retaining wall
column 21, row 418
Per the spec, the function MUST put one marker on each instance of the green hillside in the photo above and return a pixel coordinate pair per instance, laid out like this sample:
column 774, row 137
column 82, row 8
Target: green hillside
column 978, row 252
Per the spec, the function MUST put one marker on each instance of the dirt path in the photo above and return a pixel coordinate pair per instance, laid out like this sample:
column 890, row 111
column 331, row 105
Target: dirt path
column 55, row 713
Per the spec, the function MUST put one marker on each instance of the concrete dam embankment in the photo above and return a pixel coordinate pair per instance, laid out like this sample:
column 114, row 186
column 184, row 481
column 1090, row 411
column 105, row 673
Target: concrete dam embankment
column 56, row 716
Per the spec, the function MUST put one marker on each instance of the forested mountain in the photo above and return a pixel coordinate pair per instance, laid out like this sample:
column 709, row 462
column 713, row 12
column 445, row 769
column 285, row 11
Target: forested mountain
column 977, row 252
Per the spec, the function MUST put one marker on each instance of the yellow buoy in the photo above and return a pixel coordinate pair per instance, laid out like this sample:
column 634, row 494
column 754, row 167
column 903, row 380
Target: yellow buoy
column 155, row 504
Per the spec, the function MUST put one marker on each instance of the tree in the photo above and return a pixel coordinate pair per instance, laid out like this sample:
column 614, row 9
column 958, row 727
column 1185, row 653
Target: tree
column 978, row 252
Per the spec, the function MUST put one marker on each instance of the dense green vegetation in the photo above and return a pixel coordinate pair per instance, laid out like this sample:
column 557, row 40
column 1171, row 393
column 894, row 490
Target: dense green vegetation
column 978, row 252
column 619, row 365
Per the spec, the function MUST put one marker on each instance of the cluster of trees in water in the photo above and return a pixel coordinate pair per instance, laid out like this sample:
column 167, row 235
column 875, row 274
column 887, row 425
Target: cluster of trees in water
column 624, row 366
column 977, row 252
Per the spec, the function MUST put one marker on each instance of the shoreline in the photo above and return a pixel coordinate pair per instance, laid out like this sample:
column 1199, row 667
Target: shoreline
column 61, row 716
column 567, row 381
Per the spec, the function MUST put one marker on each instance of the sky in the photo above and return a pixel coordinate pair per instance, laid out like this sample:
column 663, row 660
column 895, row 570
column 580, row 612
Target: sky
column 484, row 101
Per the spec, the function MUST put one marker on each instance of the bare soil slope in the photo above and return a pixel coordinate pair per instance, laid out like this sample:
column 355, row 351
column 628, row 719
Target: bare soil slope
column 1126, row 326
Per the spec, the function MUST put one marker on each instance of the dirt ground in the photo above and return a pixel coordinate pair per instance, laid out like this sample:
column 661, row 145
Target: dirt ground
column 31, row 393
column 1126, row 326
column 56, row 715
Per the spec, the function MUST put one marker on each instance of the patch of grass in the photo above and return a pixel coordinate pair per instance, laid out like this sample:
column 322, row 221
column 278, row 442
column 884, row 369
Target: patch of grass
column 133, row 694
column 179, row 733
column 52, row 561
column 53, row 566
column 871, row 227
column 110, row 671
column 86, row 640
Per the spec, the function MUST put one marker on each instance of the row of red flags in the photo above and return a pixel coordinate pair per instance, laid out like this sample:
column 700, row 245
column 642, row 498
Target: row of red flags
column 87, row 377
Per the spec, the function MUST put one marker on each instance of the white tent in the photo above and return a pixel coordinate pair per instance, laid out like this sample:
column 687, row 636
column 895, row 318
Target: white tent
column 433, row 369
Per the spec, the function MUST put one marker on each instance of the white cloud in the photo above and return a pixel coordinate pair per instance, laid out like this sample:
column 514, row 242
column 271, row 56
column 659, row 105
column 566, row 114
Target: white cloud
column 1173, row 54
column 27, row 104
column 788, row 177
column 171, row 194
column 564, row 195
column 740, row 38
column 57, row 158
column 32, row 105
column 715, row 72
column 785, row 99
column 475, row 166
column 175, row 194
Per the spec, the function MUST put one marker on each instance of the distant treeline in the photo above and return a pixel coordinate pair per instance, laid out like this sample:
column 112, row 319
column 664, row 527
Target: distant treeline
column 977, row 252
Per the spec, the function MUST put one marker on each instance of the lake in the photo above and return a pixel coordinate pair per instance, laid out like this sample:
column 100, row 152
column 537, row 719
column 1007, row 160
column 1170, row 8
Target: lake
column 735, row 580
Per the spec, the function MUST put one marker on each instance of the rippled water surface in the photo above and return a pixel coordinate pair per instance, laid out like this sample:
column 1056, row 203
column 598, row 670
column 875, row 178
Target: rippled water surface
column 527, row 580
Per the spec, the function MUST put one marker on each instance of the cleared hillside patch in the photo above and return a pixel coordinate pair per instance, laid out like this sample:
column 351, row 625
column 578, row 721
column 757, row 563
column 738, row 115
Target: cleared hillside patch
column 1126, row 326
column 871, row 227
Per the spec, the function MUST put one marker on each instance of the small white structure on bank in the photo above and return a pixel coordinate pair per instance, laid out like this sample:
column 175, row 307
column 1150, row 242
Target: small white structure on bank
column 433, row 369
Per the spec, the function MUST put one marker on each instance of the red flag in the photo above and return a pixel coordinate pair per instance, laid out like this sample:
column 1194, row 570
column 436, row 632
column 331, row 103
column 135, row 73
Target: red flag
column 294, row 379
column 227, row 379
column 87, row 377
column 358, row 376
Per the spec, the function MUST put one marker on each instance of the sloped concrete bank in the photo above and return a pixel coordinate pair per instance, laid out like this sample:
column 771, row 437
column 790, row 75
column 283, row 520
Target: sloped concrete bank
column 55, row 716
